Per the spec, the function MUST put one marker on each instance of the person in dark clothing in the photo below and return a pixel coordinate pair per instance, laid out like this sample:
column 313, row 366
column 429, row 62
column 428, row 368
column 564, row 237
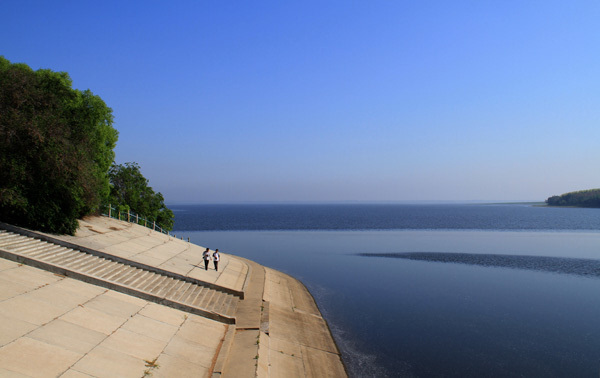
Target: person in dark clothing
column 206, row 256
column 216, row 258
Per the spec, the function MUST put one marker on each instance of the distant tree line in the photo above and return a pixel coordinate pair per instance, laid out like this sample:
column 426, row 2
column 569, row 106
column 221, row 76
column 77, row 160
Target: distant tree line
column 582, row 198
column 56, row 150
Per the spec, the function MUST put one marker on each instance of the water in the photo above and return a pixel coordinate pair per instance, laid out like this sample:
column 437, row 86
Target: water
column 432, row 290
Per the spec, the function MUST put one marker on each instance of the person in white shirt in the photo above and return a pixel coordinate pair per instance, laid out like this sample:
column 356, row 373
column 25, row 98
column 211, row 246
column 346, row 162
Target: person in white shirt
column 206, row 257
column 216, row 258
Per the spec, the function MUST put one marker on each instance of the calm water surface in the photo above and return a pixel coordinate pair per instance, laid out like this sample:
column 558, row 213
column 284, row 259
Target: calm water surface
column 468, row 301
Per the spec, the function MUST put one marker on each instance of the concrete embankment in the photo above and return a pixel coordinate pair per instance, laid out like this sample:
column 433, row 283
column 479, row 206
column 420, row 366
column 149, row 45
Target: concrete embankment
column 118, row 299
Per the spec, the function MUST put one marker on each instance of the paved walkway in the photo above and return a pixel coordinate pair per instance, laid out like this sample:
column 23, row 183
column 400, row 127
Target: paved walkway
column 296, row 341
column 140, row 244
column 55, row 326
column 51, row 325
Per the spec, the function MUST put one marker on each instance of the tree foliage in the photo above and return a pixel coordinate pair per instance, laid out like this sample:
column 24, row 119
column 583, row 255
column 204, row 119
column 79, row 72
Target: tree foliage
column 130, row 191
column 56, row 146
column 582, row 198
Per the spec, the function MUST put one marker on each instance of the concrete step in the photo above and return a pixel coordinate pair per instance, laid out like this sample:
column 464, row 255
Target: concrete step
column 226, row 306
column 14, row 243
column 19, row 244
column 86, row 260
column 107, row 268
column 114, row 270
column 192, row 299
column 42, row 250
column 191, row 292
column 199, row 298
column 7, row 238
column 166, row 286
column 58, row 255
column 125, row 276
column 144, row 280
column 134, row 277
column 66, row 257
column 150, row 283
column 207, row 298
column 47, row 253
column 219, row 301
column 157, row 285
column 173, row 288
column 36, row 247
column 180, row 291
column 103, row 263
column 135, row 280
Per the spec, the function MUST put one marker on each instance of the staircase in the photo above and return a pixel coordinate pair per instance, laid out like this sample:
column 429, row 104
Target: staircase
column 148, row 283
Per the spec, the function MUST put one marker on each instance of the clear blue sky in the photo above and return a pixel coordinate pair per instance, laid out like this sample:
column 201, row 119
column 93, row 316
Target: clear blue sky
column 235, row 101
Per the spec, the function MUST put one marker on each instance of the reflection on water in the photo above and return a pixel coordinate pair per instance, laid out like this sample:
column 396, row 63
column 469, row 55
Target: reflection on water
column 425, row 317
column 562, row 265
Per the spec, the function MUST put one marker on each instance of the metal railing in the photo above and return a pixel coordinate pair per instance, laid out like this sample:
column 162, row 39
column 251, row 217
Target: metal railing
column 129, row 216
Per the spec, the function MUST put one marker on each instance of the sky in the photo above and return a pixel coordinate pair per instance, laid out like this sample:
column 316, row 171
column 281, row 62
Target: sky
column 326, row 101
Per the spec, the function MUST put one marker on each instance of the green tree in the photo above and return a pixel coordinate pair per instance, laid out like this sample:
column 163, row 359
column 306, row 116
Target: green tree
column 130, row 191
column 582, row 198
column 56, row 146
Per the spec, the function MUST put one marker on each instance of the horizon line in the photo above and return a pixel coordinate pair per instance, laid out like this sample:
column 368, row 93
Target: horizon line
column 358, row 202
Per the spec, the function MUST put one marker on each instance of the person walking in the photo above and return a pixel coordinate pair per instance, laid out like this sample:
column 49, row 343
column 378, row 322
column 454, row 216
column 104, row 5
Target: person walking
column 206, row 257
column 216, row 258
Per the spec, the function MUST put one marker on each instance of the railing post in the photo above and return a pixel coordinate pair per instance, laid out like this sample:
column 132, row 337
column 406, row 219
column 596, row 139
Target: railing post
column 119, row 214
column 137, row 219
column 128, row 216
column 154, row 226
column 109, row 209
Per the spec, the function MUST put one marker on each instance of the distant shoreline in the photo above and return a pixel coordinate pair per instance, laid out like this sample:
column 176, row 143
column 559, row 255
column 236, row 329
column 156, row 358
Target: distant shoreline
column 329, row 203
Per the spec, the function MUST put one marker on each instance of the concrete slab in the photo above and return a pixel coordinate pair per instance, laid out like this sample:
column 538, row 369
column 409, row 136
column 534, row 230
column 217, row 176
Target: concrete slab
column 75, row 374
column 282, row 346
column 12, row 374
column 113, row 305
column 29, row 310
column 319, row 363
column 249, row 310
column 202, row 331
column 29, row 277
column 12, row 328
column 169, row 366
column 74, row 286
column 190, row 351
column 64, row 300
column 68, row 336
column 243, row 356
column 9, row 289
column 297, row 331
column 164, row 314
column 94, row 319
column 263, row 366
column 7, row 264
column 285, row 365
column 141, row 258
column 152, row 328
column 126, row 298
column 35, row 358
column 304, row 329
column 104, row 362
column 134, row 344
column 164, row 251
